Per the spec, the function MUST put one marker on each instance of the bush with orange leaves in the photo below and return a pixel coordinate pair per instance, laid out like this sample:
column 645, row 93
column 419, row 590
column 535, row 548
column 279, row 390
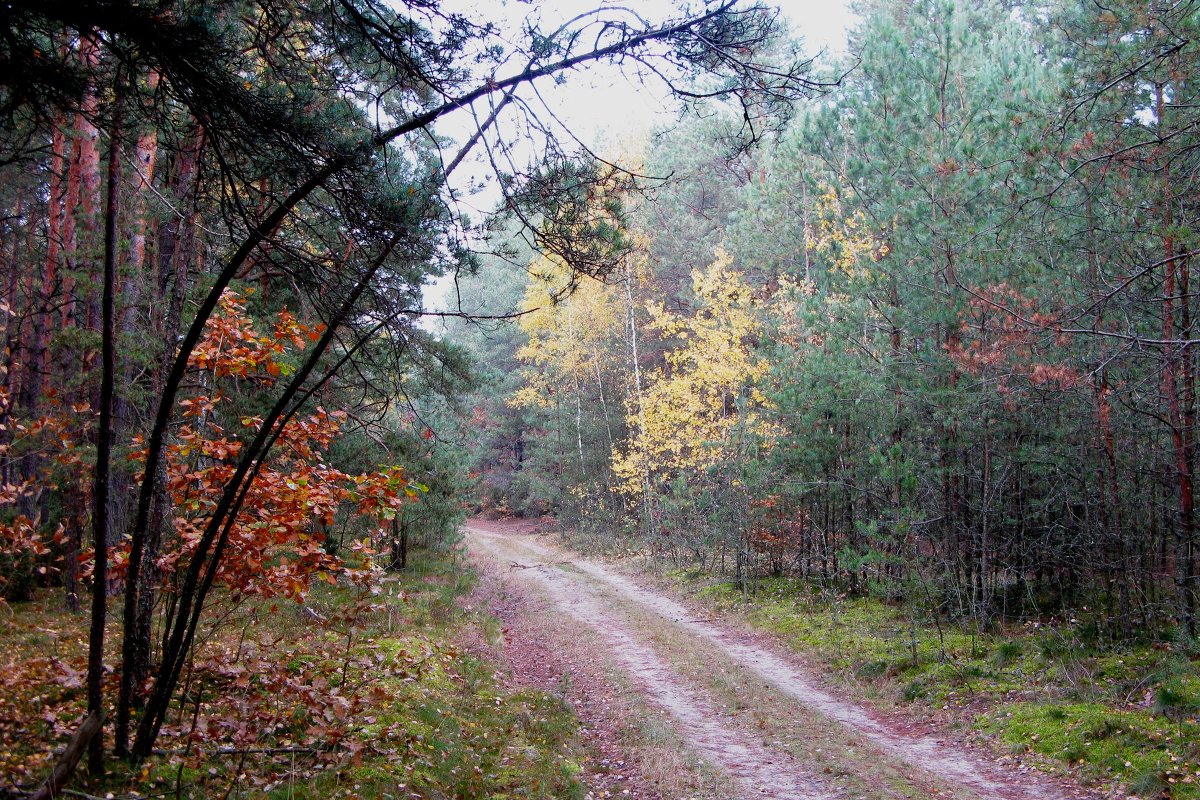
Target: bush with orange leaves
column 281, row 539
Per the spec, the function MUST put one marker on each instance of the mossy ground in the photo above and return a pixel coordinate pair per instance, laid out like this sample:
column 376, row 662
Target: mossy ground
column 370, row 699
column 1128, row 715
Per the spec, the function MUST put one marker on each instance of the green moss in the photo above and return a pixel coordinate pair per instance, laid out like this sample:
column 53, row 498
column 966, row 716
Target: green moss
column 1127, row 715
column 1006, row 653
column 914, row 690
column 1136, row 747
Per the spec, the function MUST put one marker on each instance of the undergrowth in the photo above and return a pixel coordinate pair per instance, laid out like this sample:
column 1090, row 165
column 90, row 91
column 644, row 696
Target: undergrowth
column 1127, row 715
column 353, row 694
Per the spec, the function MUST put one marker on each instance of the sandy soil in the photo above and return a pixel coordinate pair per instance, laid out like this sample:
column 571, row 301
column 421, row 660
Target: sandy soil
column 543, row 649
column 645, row 635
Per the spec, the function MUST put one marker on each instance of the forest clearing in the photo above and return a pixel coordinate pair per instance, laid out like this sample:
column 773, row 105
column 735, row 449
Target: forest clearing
column 848, row 350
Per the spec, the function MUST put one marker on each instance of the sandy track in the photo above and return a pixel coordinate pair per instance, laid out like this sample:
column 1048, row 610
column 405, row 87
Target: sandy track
column 593, row 595
column 760, row 773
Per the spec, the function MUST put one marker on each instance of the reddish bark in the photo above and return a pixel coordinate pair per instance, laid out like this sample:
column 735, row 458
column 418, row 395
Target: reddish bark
column 87, row 141
column 42, row 297
column 145, row 159
column 1171, row 374
column 175, row 252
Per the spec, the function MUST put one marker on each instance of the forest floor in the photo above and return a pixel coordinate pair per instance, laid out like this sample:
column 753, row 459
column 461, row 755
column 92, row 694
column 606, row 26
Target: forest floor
column 679, row 703
column 353, row 694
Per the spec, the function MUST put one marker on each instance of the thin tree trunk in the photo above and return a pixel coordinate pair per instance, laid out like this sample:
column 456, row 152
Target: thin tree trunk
column 65, row 767
column 175, row 253
column 100, row 485
column 1170, row 383
column 579, row 426
column 603, row 404
column 135, row 277
column 66, row 366
column 206, row 558
column 635, row 358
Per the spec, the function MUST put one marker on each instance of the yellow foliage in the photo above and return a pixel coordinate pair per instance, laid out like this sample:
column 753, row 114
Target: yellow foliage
column 570, row 336
column 693, row 408
column 849, row 243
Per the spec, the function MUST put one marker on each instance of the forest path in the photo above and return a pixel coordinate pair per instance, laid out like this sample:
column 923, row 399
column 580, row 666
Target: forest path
column 747, row 711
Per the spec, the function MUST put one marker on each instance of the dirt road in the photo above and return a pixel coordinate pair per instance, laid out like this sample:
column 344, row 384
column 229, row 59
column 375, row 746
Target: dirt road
column 751, row 715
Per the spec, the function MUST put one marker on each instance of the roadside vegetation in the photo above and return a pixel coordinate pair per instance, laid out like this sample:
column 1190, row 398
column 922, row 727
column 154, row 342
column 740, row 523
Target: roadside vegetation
column 916, row 381
column 349, row 693
column 226, row 413
column 901, row 343
column 1125, row 713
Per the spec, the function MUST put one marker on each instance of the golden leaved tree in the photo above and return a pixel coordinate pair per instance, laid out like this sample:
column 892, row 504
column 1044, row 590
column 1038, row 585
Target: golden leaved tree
column 574, row 357
column 704, row 405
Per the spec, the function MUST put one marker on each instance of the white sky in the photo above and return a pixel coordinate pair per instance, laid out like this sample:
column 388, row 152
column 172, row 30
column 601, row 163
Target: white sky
column 610, row 104
column 599, row 104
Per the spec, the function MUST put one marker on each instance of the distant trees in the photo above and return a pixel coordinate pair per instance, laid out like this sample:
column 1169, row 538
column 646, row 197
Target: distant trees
column 967, row 273
column 572, row 379
column 1129, row 142
column 699, row 417
column 925, row 157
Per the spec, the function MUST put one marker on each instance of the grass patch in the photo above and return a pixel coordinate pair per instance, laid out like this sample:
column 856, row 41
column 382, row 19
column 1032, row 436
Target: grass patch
column 1141, row 749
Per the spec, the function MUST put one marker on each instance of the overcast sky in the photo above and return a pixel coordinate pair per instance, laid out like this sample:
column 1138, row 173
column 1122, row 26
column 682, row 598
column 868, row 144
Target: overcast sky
column 599, row 104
